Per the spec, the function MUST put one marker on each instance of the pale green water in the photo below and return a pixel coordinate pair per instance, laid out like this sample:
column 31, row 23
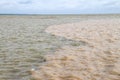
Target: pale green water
column 23, row 42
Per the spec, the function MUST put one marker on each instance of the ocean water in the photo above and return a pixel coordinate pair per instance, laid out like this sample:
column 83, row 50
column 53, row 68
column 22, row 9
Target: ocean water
column 23, row 41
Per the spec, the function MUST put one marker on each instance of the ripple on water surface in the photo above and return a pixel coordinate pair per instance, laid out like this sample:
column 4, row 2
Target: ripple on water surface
column 23, row 43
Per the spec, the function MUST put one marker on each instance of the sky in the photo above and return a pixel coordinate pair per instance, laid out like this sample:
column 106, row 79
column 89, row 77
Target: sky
column 59, row 6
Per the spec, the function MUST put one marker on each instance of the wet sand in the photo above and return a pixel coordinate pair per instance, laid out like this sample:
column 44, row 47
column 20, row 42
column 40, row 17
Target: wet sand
column 98, row 59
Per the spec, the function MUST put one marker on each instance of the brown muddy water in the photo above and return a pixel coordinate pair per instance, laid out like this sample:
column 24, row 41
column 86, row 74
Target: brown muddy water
column 23, row 41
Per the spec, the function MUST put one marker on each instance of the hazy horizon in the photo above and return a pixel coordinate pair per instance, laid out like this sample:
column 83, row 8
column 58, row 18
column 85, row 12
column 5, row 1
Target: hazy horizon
column 59, row 7
column 60, row 14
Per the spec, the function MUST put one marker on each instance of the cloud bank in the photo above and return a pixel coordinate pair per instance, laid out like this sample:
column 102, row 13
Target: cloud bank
column 59, row 6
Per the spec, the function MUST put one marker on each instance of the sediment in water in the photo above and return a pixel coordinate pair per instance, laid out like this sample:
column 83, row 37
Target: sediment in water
column 98, row 60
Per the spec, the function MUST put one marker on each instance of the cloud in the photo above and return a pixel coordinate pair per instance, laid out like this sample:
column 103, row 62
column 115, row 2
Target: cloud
column 25, row 2
column 60, row 6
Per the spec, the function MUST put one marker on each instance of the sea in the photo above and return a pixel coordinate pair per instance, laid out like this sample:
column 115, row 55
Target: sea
column 24, row 42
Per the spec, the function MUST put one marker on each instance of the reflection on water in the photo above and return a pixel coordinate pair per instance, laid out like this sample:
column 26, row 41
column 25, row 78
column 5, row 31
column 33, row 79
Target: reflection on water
column 23, row 42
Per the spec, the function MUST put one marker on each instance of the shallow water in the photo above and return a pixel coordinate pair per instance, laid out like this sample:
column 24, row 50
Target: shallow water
column 23, row 42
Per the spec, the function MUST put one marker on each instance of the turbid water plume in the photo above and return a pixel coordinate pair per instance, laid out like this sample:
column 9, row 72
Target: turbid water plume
column 99, row 59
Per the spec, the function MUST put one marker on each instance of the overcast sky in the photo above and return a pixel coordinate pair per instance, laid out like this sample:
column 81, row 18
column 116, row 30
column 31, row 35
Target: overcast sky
column 59, row 6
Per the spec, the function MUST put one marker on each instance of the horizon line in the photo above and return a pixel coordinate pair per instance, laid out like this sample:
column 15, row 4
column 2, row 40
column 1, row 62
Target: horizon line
column 61, row 14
